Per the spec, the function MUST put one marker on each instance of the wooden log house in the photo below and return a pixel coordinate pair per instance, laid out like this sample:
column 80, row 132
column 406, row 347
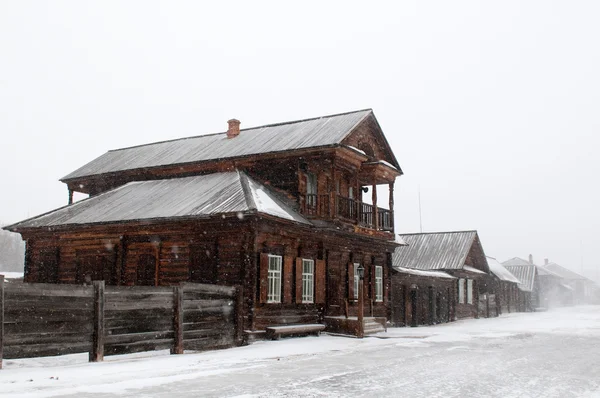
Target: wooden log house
column 504, row 285
column 526, row 273
column 277, row 210
column 459, row 254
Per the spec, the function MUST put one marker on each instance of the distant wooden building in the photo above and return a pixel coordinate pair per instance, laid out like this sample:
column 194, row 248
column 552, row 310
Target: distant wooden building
column 505, row 287
column 458, row 254
column 526, row 273
column 582, row 289
column 277, row 210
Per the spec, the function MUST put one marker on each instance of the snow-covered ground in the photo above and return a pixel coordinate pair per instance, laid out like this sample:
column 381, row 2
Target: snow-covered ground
column 549, row 354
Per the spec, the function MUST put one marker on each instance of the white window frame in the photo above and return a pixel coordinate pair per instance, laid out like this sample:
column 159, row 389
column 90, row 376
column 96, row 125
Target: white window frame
column 356, row 280
column 274, row 279
column 461, row 291
column 308, row 281
column 469, row 291
column 378, row 283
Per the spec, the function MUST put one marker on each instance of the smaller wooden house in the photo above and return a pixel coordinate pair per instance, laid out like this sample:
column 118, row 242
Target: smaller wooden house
column 505, row 287
column 458, row 254
column 526, row 273
column 583, row 289
column 554, row 291
column 422, row 297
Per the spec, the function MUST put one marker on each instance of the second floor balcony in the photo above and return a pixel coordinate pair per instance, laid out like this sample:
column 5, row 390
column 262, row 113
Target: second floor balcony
column 335, row 206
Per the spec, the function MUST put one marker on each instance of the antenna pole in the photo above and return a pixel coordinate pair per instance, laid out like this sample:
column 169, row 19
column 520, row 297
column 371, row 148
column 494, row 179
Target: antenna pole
column 420, row 218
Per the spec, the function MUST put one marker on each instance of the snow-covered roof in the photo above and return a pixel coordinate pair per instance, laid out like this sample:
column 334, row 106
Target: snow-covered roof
column 418, row 272
column 199, row 196
column 288, row 136
column 502, row 273
column 435, row 250
column 472, row 269
column 562, row 271
column 525, row 274
column 516, row 261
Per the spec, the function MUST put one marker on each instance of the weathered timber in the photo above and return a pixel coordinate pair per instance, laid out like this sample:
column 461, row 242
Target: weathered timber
column 49, row 289
column 97, row 352
column 44, row 350
column 48, row 326
column 178, row 320
column 46, row 338
column 1, row 319
column 120, row 339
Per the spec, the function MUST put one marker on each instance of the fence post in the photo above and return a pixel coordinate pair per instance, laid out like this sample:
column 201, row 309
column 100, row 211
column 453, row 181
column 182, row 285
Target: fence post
column 239, row 315
column 97, row 352
column 487, row 305
column 177, row 320
column 1, row 317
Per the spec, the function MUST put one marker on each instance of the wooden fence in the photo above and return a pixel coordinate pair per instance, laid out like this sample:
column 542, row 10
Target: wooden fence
column 48, row 319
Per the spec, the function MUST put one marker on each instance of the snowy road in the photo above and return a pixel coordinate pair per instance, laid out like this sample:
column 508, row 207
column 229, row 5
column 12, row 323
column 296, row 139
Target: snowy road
column 551, row 354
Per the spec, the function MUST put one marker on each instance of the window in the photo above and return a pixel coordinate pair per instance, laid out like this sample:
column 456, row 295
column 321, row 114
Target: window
column 356, row 279
column 469, row 291
column 378, row 283
column 274, row 279
column 308, row 280
column 461, row 291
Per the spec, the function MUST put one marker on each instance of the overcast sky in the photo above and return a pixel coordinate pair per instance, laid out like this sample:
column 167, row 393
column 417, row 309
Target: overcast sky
column 492, row 108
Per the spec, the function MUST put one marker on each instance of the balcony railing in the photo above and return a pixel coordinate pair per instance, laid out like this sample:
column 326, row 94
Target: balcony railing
column 349, row 209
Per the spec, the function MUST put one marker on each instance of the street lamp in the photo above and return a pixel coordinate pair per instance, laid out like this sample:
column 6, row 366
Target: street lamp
column 361, row 299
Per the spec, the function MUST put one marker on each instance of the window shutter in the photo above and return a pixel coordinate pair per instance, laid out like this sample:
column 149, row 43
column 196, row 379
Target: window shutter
column 298, row 280
column 320, row 282
column 264, row 277
column 351, row 281
column 288, row 265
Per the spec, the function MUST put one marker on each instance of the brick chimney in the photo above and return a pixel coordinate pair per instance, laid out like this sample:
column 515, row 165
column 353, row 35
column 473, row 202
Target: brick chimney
column 545, row 261
column 531, row 259
column 234, row 128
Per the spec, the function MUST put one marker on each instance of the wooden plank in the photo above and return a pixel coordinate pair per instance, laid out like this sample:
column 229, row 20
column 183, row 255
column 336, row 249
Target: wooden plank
column 40, row 304
column 139, row 305
column 135, row 290
column 47, row 338
column 50, row 290
column 138, row 337
column 97, row 351
column 209, row 289
column 1, row 318
column 201, row 304
column 15, row 316
column 197, row 334
column 178, row 320
column 47, row 326
column 40, row 350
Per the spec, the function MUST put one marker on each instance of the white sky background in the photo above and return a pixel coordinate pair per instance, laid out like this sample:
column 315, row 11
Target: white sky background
column 491, row 107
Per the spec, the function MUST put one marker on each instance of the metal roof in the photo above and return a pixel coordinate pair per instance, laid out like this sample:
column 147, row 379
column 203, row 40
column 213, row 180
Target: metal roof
column 516, row 261
column 317, row 132
column 199, row 196
column 429, row 251
column 502, row 273
column 562, row 271
column 525, row 274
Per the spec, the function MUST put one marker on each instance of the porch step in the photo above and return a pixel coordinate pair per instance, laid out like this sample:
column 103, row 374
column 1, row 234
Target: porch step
column 372, row 327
